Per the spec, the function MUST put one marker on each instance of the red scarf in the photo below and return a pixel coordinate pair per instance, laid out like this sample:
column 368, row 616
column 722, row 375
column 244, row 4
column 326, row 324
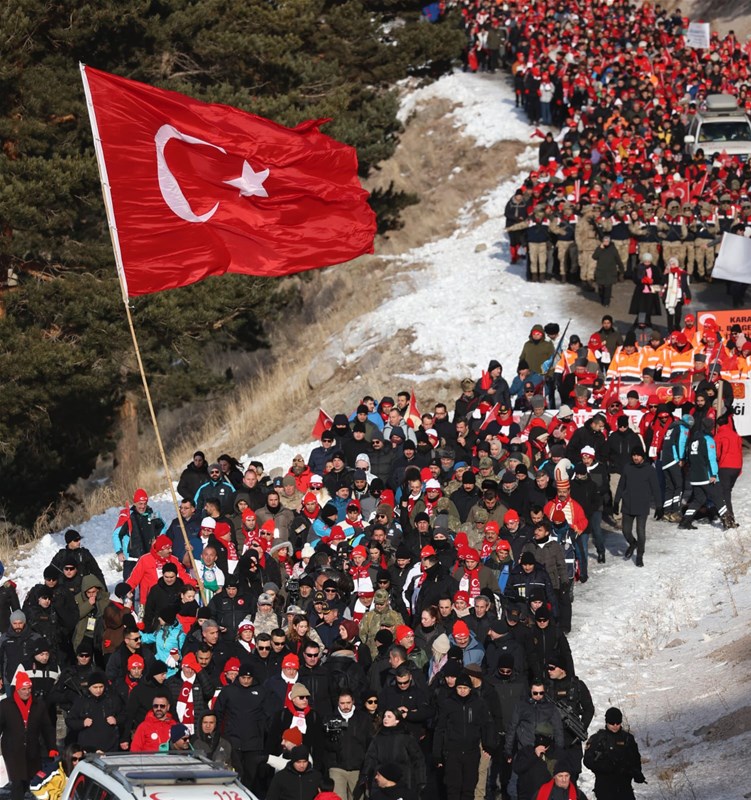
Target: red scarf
column 130, row 683
column 357, row 573
column 473, row 581
column 24, row 707
column 487, row 548
column 296, row 712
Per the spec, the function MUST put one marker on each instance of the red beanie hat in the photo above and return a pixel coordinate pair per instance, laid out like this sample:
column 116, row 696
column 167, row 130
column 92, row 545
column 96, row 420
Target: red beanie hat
column 139, row 495
column 162, row 541
column 460, row 628
column 23, row 681
column 191, row 661
column 402, row 631
column 293, row 735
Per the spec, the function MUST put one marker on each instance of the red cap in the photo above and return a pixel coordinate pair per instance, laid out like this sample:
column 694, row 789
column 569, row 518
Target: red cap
column 491, row 525
column 503, row 544
column 249, row 514
column 426, row 551
column 161, row 542
column 471, row 554
column 291, row 661
column 135, row 661
column 269, row 526
column 460, row 628
column 232, row 664
column 139, row 495
column 337, row 534
column 293, row 735
column 360, row 551
column 462, row 596
column 511, row 514
column 402, row 631
column 23, row 681
column 309, row 498
column 191, row 661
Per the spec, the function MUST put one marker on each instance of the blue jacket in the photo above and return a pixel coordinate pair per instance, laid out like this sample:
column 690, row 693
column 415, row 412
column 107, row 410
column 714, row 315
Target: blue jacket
column 166, row 639
column 474, row 652
column 674, row 444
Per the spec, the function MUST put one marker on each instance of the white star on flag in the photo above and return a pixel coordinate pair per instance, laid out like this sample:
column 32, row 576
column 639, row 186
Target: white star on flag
column 250, row 182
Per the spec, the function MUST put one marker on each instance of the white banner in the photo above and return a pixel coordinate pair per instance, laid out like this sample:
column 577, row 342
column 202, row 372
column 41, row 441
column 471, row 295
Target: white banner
column 734, row 259
column 742, row 406
column 697, row 35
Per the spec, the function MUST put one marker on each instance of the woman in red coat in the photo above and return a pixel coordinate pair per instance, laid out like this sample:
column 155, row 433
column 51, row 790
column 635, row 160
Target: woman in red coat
column 729, row 460
column 24, row 723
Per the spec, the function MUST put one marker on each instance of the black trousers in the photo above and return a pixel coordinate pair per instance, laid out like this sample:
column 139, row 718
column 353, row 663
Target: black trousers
column 673, row 488
column 460, row 774
column 18, row 789
column 728, row 477
column 704, row 492
column 641, row 531
column 249, row 764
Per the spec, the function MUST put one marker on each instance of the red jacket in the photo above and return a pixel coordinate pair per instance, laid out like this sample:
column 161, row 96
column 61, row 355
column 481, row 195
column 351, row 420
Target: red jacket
column 729, row 447
column 152, row 733
column 579, row 521
column 148, row 570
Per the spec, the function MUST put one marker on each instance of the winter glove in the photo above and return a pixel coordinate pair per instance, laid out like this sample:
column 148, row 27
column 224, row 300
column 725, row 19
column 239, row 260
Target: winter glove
column 640, row 778
column 53, row 753
column 173, row 659
column 686, row 301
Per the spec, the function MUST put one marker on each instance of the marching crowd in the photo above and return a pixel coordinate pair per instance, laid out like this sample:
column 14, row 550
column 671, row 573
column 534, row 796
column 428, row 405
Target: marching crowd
column 617, row 86
column 390, row 616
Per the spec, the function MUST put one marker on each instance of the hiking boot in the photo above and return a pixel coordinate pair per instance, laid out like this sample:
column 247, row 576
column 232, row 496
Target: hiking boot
column 601, row 558
column 639, row 561
column 687, row 525
column 727, row 521
column 629, row 551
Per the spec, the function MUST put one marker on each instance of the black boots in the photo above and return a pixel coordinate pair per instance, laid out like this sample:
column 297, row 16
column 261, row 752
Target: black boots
column 629, row 551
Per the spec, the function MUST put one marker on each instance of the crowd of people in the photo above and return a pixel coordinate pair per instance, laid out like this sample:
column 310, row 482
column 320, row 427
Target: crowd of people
column 390, row 615
column 616, row 85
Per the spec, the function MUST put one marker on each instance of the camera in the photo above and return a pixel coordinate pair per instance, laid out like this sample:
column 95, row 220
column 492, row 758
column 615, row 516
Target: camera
column 334, row 728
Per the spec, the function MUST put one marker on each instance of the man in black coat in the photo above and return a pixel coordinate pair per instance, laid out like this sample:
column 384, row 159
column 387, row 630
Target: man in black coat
column 637, row 486
column 571, row 695
column 241, row 711
column 348, row 734
column 298, row 780
column 81, row 556
column 195, row 474
column 25, row 728
column 613, row 755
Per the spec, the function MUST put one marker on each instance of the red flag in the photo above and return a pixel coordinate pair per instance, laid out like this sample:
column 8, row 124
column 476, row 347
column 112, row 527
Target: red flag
column 123, row 519
column 413, row 418
column 490, row 416
column 323, row 423
column 682, row 190
column 698, row 189
column 485, row 381
column 196, row 189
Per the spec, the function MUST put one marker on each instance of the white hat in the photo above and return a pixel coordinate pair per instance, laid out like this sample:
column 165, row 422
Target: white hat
column 208, row 522
column 587, row 450
column 432, row 483
column 307, row 551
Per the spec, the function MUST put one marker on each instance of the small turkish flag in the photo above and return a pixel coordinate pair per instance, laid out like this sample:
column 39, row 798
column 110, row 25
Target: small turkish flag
column 197, row 189
column 323, row 423
column 413, row 418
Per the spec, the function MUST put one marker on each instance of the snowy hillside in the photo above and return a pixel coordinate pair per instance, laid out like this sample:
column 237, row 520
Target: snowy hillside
column 667, row 643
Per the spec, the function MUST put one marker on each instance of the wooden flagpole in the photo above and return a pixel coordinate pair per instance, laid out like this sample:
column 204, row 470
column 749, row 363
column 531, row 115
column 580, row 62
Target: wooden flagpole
column 109, row 208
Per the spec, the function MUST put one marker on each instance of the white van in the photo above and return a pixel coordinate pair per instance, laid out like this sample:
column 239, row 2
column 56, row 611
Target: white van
column 166, row 776
column 721, row 125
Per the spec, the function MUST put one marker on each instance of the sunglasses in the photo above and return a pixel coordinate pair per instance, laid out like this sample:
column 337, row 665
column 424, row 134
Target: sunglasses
column 258, row 647
column 75, row 759
column 311, row 655
column 373, row 702
column 537, row 694
column 403, row 683
column 160, row 705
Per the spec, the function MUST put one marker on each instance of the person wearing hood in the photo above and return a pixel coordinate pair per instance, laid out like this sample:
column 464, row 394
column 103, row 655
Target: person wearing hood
column 195, row 474
column 207, row 740
column 536, row 351
column 148, row 570
column 463, row 736
column 431, row 583
column 392, row 744
column 492, row 386
column 26, row 733
column 275, row 512
column 91, row 602
column 637, row 487
column 95, row 717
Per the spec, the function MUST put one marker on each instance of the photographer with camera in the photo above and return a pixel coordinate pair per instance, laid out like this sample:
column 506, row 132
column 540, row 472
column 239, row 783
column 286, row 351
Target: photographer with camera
column 348, row 734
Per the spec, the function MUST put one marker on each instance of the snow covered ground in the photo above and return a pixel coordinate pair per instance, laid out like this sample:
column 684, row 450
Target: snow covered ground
column 664, row 643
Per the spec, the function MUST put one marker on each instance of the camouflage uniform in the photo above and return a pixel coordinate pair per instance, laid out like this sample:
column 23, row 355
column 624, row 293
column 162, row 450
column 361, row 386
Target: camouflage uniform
column 564, row 227
column 672, row 230
column 586, row 243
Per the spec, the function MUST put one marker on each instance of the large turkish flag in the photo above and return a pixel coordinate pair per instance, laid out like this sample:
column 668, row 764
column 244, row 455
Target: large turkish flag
column 199, row 189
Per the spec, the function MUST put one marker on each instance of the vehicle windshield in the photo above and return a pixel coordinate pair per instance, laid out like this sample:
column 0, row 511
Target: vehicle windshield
column 726, row 131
